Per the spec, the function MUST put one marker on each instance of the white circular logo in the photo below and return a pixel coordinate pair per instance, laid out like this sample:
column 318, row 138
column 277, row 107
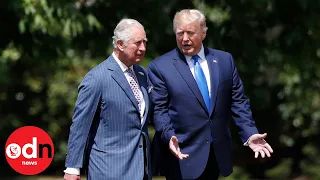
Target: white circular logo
column 13, row 150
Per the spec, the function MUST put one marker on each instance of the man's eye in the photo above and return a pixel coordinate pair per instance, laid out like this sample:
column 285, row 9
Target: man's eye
column 190, row 33
column 180, row 33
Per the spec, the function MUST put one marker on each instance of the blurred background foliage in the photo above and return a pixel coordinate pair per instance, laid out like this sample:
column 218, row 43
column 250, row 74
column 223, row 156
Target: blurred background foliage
column 47, row 47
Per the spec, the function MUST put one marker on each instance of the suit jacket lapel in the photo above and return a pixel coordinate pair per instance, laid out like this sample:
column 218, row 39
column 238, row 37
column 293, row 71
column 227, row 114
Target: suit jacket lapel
column 119, row 77
column 182, row 66
column 214, row 77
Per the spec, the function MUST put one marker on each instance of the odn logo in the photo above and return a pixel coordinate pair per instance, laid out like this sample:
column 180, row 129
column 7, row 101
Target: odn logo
column 29, row 150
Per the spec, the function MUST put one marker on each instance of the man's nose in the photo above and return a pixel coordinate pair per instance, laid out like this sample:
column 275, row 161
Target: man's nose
column 142, row 47
column 185, row 36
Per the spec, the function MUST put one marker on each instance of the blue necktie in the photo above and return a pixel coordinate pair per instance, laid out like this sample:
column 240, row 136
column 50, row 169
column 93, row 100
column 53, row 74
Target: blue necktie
column 201, row 81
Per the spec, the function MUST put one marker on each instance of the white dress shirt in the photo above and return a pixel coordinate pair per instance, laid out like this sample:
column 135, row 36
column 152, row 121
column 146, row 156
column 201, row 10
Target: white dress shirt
column 76, row 171
column 204, row 65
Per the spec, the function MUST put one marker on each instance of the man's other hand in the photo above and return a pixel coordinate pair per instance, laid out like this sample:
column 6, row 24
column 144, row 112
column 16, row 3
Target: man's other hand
column 259, row 145
column 174, row 148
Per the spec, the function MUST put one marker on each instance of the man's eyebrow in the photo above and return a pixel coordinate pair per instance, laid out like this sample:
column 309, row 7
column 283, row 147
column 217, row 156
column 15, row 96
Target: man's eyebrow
column 144, row 39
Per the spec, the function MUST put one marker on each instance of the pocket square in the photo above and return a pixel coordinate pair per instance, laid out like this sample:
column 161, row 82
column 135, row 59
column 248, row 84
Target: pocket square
column 150, row 88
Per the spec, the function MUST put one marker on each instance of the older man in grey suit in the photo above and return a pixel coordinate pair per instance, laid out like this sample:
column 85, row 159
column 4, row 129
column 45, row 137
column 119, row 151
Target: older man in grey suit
column 110, row 118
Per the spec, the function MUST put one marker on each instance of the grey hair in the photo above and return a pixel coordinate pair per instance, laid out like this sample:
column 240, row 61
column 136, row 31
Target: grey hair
column 123, row 30
column 191, row 16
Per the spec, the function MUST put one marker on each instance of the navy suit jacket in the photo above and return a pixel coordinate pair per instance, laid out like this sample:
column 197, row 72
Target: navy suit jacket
column 107, row 127
column 179, row 110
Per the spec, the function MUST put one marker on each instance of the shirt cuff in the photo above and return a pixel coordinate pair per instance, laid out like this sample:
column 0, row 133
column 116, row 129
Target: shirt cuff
column 74, row 171
column 246, row 143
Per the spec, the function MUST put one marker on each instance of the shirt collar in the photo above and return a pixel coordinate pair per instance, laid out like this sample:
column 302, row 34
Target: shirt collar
column 122, row 66
column 200, row 54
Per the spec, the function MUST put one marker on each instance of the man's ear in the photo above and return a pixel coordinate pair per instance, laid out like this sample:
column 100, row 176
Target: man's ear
column 120, row 45
column 203, row 35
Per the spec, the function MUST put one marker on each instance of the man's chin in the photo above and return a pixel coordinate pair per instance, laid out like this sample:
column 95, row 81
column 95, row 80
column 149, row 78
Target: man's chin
column 188, row 52
column 139, row 59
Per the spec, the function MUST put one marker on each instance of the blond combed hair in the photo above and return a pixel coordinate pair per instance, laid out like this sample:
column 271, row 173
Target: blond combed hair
column 189, row 16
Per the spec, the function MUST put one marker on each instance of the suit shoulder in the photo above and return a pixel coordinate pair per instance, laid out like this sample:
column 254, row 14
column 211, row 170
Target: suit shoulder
column 100, row 67
column 165, row 57
column 220, row 52
column 222, row 56
column 99, row 72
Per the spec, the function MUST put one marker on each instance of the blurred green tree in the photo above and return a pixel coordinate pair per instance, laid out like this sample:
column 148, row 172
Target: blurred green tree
column 46, row 48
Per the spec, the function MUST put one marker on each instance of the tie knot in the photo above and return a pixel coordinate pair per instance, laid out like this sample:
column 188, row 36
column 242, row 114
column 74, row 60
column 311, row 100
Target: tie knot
column 131, row 73
column 195, row 58
column 129, row 70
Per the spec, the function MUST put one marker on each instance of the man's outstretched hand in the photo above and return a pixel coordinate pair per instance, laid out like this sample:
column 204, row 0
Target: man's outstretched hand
column 259, row 145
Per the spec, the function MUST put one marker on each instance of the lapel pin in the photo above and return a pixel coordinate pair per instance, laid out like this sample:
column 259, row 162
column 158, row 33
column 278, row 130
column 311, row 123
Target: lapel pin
column 141, row 73
column 214, row 61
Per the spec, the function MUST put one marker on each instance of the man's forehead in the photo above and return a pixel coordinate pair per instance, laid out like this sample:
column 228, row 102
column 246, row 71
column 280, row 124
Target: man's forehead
column 187, row 27
column 140, row 38
column 186, row 30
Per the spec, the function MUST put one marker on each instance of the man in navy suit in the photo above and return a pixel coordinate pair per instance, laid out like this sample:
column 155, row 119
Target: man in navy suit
column 109, row 132
column 195, row 89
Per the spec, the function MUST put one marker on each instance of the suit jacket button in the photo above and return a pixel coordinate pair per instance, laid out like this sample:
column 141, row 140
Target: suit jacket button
column 140, row 146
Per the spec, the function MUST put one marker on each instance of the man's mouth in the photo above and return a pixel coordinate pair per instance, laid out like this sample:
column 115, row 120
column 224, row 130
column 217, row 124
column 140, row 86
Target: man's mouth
column 186, row 46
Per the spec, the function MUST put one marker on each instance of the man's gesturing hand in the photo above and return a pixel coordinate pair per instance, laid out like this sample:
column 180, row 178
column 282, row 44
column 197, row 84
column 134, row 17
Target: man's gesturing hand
column 259, row 145
column 174, row 148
